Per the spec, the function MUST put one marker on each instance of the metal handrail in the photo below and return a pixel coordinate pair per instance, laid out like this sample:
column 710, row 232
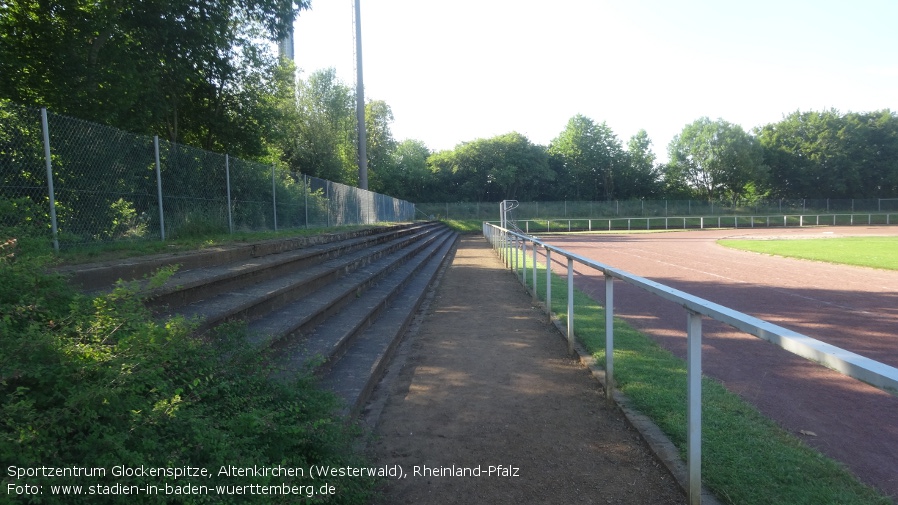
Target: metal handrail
column 846, row 362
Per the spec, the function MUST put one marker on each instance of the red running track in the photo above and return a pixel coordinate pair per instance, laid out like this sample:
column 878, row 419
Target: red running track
column 853, row 308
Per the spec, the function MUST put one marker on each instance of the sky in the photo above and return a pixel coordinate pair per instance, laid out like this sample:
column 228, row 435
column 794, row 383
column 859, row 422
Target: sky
column 457, row 71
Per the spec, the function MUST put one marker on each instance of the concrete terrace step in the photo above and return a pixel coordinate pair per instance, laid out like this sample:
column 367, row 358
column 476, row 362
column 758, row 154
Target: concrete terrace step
column 357, row 372
column 101, row 275
column 329, row 340
column 191, row 285
column 248, row 301
column 341, row 300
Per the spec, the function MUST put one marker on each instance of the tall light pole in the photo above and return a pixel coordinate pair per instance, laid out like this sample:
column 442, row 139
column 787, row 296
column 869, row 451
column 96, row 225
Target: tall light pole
column 360, row 101
column 285, row 45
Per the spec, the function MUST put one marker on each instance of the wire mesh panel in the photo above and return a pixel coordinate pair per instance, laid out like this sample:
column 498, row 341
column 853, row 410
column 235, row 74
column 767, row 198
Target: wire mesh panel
column 194, row 189
column 251, row 195
column 24, row 199
column 489, row 211
column 109, row 186
column 104, row 181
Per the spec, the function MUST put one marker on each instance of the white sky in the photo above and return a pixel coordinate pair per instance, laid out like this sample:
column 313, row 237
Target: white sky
column 467, row 69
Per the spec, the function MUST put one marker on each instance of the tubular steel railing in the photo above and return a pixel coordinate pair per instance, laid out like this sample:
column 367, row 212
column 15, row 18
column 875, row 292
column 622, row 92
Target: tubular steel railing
column 512, row 249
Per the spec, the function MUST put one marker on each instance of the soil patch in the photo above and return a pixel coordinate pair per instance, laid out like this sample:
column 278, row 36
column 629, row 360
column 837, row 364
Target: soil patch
column 487, row 384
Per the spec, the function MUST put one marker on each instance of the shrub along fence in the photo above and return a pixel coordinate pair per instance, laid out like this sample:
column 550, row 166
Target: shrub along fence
column 79, row 182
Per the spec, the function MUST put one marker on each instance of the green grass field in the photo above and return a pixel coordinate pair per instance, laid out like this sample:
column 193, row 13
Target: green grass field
column 874, row 252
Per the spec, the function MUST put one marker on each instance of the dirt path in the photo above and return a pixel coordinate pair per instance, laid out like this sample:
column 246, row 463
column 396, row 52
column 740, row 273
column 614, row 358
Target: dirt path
column 487, row 382
column 851, row 307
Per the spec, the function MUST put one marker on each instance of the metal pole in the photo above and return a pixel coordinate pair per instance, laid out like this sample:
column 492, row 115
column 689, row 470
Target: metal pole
column 159, row 187
column 534, row 273
column 609, row 337
column 50, row 191
column 570, row 306
column 228, row 183
column 274, row 203
column 514, row 259
column 549, row 283
column 305, row 180
column 360, row 101
column 694, row 406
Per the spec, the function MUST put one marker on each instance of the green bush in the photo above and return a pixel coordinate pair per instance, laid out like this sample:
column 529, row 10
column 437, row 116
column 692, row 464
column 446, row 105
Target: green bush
column 96, row 382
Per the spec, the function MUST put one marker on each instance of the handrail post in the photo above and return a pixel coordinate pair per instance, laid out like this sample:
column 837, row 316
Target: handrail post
column 570, row 306
column 535, row 294
column 514, row 259
column 609, row 337
column 694, row 406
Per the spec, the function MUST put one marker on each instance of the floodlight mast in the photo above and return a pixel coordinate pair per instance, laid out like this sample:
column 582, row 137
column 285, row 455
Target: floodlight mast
column 360, row 101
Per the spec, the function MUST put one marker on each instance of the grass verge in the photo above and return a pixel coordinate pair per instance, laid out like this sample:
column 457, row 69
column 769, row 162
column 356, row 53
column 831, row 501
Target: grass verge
column 747, row 459
column 874, row 252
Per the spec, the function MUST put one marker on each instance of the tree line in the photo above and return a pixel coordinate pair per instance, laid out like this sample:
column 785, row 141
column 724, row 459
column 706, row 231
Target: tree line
column 206, row 75
column 812, row 155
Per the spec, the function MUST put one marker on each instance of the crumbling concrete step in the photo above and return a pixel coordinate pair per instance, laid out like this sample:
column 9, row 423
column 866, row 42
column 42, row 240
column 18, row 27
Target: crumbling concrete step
column 101, row 275
column 303, row 314
column 252, row 301
column 330, row 339
column 190, row 286
column 358, row 371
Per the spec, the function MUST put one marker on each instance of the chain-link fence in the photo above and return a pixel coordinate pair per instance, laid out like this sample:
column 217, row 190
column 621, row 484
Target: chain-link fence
column 77, row 182
column 488, row 211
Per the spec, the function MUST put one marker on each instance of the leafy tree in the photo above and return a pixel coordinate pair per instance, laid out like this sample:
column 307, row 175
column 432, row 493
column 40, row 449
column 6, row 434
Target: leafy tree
column 322, row 141
column 489, row 170
column 380, row 142
column 588, row 156
column 638, row 178
column 197, row 73
column 408, row 176
column 715, row 159
column 832, row 155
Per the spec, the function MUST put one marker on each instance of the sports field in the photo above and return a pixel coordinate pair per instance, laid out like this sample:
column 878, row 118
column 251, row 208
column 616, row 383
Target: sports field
column 874, row 252
column 852, row 308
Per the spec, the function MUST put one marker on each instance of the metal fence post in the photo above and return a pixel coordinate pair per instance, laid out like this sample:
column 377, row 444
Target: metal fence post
column 609, row 337
column 694, row 406
column 159, row 187
column 274, row 203
column 228, row 184
column 549, row 283
column 305, row 183
column 570, row 306
column 45, row 126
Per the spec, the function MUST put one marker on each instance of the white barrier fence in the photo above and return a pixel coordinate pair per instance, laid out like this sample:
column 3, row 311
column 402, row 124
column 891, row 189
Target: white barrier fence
column 512, row 248
column 702, row 222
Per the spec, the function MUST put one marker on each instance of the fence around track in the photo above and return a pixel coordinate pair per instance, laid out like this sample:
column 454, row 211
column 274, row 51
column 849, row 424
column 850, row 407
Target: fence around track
column 702, row 222
column 78, row 182
column 512, row 248
column 578, row 210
